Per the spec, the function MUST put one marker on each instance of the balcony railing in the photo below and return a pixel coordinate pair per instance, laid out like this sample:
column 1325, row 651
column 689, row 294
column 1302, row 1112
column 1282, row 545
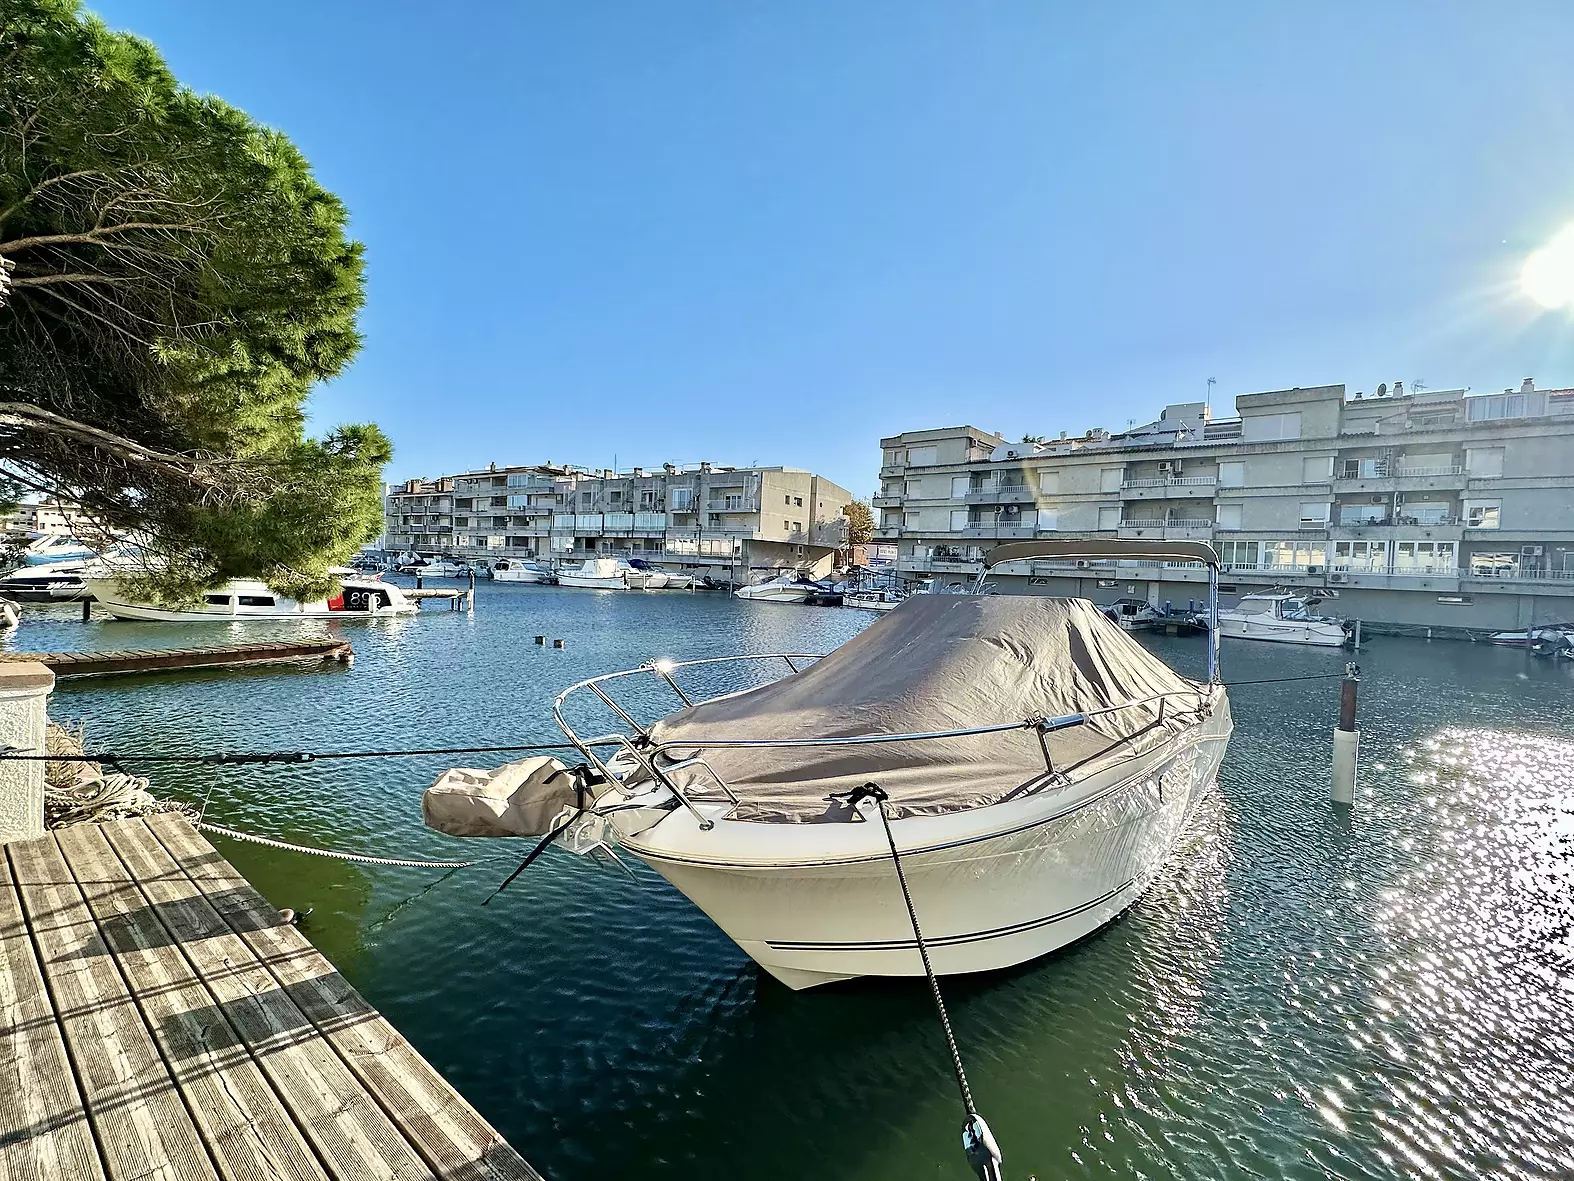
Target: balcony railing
column 738, row 505
column 1560, row 576
column 1173, row 482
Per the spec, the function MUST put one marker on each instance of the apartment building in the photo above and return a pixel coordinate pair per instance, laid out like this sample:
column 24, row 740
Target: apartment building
column 718, row 520
column 59, row 517
column 1435, row 508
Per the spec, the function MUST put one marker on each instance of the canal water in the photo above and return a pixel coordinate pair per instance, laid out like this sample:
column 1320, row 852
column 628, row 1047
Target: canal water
column 1302, row 994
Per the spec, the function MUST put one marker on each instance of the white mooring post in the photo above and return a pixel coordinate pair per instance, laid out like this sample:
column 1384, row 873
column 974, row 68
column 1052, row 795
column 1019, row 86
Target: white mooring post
column 24, row 688
column 1347, row 740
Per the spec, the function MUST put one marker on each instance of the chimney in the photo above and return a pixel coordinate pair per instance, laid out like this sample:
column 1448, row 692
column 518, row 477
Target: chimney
column 1399, row 389
column 1529, row 387
column 639, row 471
column 704, row 466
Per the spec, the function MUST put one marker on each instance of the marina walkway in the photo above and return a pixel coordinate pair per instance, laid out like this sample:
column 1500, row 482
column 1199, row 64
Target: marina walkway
column 90, row 664
column 158, row 1019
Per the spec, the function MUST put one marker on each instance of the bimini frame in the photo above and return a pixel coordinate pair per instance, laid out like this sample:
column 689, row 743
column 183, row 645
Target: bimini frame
column 1093, row 550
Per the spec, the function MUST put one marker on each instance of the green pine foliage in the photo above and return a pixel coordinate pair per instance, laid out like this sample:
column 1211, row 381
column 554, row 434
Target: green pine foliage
column 175, row 283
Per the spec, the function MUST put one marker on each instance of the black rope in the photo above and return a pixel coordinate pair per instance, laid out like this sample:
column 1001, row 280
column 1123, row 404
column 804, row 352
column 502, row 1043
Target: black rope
column 243, row 758
column 1282, row 680
column 540, row 848
column 977, row 1142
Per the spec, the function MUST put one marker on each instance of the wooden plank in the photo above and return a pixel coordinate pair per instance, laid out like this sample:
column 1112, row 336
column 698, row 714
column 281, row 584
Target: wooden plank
column 78, row 664
column 450, row 1135
column 246, row 1130
column 352, row 1135
column 44, row 1131
column 143, row 1129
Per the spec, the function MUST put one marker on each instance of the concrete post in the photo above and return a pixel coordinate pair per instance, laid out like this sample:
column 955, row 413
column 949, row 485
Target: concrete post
column 24, row 689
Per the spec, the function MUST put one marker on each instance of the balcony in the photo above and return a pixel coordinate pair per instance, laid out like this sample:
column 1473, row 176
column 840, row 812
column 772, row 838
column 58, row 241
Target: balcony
column 1168, row 488
column 1380, row 477
column 995, row 532
column 1001, row 494
column 1552, row 578
column 886, row 502
column 1171, row 529
column 739, row 504
column 942, row 565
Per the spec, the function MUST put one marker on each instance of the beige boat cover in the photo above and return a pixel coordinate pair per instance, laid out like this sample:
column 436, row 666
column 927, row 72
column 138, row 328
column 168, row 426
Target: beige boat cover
column 517, row 800
column 938, row 662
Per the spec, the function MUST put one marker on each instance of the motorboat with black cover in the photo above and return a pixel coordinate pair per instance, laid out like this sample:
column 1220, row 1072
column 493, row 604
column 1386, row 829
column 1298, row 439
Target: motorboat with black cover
column 1040, row 766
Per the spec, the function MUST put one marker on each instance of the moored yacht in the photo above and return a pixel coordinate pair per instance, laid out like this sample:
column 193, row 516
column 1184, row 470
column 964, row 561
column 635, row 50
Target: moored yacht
column 1283, row 617
column 518, row 570
column 1133, row 615
column 62, row 582
column 1035, row 768
column 787, row 587
column 243, row 599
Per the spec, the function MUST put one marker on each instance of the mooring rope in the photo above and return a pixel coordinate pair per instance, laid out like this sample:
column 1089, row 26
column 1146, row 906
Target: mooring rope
column 360, row 857
column 977, row 1141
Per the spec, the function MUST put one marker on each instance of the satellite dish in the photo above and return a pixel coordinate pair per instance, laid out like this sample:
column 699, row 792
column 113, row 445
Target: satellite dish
column 1382, row 389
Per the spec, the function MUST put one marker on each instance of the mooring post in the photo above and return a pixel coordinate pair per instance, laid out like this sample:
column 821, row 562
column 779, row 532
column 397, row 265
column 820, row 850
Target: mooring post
column 87, row 609
column 1347, row 739
column 417, row 582
column 25, row 686
column 1358, row 635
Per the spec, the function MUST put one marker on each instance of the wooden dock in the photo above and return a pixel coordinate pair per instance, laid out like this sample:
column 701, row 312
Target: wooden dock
column 93, row 664
column 459, row 598
column 159, row 1020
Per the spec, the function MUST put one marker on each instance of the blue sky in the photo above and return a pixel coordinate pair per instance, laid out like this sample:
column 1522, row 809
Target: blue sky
column 775, row 232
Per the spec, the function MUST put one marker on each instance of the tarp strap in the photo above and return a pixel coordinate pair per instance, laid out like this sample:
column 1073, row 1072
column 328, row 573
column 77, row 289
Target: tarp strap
column 977, row 1142
column 583, row 778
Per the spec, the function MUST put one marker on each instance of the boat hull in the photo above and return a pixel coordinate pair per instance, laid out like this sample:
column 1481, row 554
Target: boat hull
column 521, row 576
column 590, row 582
column 774, row 594
column 993, row 887
column 111, row 602
column 1318, row 634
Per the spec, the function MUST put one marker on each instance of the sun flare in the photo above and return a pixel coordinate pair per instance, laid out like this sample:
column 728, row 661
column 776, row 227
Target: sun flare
column 1548, row 275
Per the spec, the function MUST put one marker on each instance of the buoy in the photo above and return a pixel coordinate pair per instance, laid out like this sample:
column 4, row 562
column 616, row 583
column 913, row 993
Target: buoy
column 557, row 643
column 1347, row 740
column 542, row 640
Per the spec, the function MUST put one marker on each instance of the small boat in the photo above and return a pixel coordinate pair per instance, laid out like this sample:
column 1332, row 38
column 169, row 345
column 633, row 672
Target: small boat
column 596, row 574
column 249, row 599
column 873, row 600
column 1133, row 615
column 516, row 570
column 787, row 587
column 50, row 548
column 1523, row 639
column 62, row 582
column 639, row 574
column 1283, row 617
column 1039, row 768
column 675, row 579
column 436, row 568
column 1552, row 642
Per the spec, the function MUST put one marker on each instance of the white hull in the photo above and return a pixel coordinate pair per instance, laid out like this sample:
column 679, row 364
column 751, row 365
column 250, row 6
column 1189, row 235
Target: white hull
column 993, row 886
column 590, row 582
column 520, row 576
column 1318, row 633
column 112, row 601
column 769, row 593
column 870, row 602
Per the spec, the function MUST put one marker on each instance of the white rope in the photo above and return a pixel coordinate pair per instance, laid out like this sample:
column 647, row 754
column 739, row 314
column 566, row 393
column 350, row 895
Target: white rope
column 361, row 857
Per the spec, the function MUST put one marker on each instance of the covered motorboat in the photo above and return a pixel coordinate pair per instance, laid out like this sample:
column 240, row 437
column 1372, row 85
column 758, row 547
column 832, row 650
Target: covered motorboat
column 244, row 599
column 1040, row 766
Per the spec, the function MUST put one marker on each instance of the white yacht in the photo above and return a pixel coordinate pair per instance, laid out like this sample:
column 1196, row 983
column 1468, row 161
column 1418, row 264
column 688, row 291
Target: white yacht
column 597, row 574
column 516, row 570
column 1036, row 767
column 787, row 587
column 1283, row 617
column 873, row 600
column 249, row 599
column 51, row 548
column 62, row 582
column 436, row 568
column 1133, row 615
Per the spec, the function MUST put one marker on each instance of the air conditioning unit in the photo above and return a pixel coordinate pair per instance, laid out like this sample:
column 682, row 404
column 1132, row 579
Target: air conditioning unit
column 1379, row 500
column 1166, row 468
column 1176, row 467
column 1338, row 578
column 1082, row 565
column 1314, row 569
column 1530, row 551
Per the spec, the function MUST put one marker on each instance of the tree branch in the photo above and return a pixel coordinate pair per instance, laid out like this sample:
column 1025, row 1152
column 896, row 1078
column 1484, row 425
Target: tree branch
column 35, row 419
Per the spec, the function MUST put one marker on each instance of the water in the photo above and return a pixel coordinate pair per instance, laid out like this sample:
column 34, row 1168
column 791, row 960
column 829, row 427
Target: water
column 1386, row 994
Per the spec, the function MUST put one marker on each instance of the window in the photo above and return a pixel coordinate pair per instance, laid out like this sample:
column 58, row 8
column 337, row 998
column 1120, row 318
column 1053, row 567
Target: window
column 1317, row 469
column 462, row 522
column 1049, row 482
column 219, row 600
column 682, row 500
column 1293, row 555
column 1483, row 514
column 614, row 497
column 1363, row 557
column 647, row 498
column 255, row 600
column 1484, row 463
column 959, row 487
column 910, row 488
column 1488, row 565
column 1232, row 474
column 1363, row 514
column 787, row 500
column 1110, row 479
column 732, row 502
column 1424, row 557
column 1494, row 406
column 1109, row 516
column 1314, row 513
column 910, row 519
column 1229, row 516
column 1048, row 520
column 922, row 456
column 1238, row 553
column 797, row 502
column 895, row 458
column 463, row 502
column 1267, row 427
column 958, row 519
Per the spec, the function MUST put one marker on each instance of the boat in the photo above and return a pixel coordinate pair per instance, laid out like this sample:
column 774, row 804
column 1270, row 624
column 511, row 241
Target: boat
column 674, row 579
column 595, row 574
column 51, row 548
column 639, row 574
column 873, row 600
column 1134, row 615
column 1552, row 642
column 62, row 582
column 1283, row 617
column 516, row 570
column 1040, row 766
column 436, row 568
column 244, row 599
column 1529, row 636
column 789, row 586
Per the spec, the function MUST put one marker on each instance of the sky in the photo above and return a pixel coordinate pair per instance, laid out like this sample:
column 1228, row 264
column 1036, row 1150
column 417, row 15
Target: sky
column 746, row 232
